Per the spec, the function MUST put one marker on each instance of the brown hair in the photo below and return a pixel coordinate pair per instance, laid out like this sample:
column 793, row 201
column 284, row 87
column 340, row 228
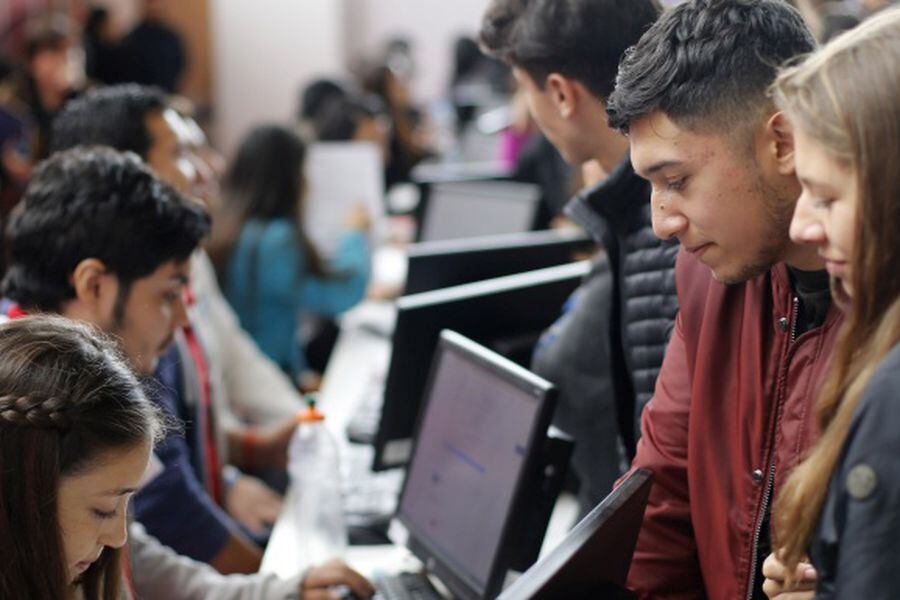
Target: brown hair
column 845, row 97
column 66, row 400
column 266, row 181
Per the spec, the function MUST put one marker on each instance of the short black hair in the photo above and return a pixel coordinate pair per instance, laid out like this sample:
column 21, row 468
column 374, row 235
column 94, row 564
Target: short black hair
column 95, row 203
column 581, row 39
column 318, row 95
column 708, row 63
column 338, row 121
column 114, row 116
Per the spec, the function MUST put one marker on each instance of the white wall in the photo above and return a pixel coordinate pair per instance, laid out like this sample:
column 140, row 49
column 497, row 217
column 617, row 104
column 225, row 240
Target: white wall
column 263, row 50
column 431, row 25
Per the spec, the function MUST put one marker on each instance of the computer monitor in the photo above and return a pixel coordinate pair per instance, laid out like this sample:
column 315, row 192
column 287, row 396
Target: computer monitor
column 507, row 314
column 478, row 443
column 592, row 561
column 472, row 208
column 436, row 265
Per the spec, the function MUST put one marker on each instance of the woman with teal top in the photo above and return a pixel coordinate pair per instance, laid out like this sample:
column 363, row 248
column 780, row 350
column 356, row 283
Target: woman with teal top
column 274, row 274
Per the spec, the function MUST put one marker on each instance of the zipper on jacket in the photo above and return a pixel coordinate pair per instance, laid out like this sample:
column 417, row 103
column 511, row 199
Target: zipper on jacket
column 770, row 483
column 796, row 314
column 767, row 496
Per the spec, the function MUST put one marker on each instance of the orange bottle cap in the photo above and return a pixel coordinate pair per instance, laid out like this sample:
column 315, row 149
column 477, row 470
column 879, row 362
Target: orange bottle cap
column 311, row 414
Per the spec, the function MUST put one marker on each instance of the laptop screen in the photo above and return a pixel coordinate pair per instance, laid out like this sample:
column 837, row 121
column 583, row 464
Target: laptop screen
column 472, row 447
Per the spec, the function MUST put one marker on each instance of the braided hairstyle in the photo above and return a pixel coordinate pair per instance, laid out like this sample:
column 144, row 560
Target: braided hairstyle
column 67, row 400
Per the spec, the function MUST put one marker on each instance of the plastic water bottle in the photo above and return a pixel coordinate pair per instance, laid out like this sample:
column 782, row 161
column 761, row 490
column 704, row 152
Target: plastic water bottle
column 314, row 468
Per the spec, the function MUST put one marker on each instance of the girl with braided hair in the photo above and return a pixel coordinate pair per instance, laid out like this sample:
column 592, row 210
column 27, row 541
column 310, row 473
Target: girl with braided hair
column 76, row 434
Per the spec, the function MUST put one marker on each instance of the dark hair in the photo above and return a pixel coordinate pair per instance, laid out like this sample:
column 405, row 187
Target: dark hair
column 466, row 57
column 708, row 63
column 95, row 203
column 67, row 399
column 114, row 116
column 265, row 181
column 51, row 31
column 6, row 67
column 339, row 120
column 375, row 78
column 581, row 39
column 318, row 95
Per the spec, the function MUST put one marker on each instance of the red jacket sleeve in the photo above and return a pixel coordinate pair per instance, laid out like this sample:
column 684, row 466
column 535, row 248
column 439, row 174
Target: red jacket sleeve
column 665, row 561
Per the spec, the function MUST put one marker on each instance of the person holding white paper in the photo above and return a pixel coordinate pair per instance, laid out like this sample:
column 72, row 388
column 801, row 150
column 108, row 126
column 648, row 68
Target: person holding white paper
column 274, row 273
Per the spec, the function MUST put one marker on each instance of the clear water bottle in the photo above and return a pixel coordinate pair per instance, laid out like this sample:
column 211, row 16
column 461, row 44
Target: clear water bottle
column 313, row 464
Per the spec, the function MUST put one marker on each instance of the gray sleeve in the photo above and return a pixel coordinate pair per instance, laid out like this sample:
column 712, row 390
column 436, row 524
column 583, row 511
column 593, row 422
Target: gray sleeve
column 158, row 572
column 868, row 504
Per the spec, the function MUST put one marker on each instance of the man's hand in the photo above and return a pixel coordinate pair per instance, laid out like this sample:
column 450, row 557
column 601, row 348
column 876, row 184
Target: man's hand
column 273, row 443
column 265, row 447
column 252, row 503
column 320, row 581
column 774, row 571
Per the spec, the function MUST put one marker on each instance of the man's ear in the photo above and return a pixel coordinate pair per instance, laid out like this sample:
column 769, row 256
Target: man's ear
column 779, row 136
column 94, row 286
column 563, row 93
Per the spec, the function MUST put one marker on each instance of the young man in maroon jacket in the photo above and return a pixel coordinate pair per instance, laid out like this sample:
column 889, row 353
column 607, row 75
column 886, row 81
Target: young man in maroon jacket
column 733, row 408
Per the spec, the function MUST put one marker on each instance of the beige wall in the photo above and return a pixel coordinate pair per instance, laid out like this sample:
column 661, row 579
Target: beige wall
column 263, row 50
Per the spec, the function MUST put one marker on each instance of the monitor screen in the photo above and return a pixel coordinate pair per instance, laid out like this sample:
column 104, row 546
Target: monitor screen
column 469, row 209
column 475, row 439
column 506, row 314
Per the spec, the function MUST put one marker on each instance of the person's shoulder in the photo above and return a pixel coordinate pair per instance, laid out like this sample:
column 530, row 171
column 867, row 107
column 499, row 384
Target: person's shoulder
column 876, row 419
column 882, row 394
column 275, row 232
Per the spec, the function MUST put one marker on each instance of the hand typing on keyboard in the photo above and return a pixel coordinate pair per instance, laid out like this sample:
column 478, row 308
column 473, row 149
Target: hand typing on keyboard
column 323, row 582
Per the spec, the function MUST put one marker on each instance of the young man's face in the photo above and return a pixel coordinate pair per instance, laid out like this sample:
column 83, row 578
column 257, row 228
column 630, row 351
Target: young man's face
column 713, row 196
column 152, row 310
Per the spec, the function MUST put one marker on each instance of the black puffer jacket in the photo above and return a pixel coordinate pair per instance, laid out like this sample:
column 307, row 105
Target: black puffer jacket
column 617, row 213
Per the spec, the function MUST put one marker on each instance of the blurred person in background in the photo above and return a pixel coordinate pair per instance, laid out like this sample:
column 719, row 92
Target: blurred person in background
column 153, row 51
column 316, row 96
column 408, row 142
column 274, row 273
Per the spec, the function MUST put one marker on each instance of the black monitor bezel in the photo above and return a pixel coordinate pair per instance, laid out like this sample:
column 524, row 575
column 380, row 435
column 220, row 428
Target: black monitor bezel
column 425, row 253
column 463, row 585
column 541, row 573
column 465, row 292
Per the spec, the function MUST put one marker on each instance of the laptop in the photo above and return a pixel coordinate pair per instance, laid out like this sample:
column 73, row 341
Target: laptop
column 592, row 561
column 478, row 443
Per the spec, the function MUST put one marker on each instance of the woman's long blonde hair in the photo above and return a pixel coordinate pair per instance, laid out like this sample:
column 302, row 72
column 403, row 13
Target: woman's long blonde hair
column 847, row 97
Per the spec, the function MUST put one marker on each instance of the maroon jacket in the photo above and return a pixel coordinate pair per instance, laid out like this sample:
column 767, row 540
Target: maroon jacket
column 732, row 413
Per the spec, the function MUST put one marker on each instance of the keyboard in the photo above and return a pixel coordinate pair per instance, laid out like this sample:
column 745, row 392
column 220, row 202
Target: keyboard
column 404, row 586
column 363, row 426
column 368, row 495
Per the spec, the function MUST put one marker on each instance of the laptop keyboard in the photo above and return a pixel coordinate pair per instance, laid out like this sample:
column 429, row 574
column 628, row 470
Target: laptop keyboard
column 404, row 586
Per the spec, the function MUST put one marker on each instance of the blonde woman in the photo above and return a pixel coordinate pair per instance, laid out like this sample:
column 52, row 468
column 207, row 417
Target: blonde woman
column 841, row 506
